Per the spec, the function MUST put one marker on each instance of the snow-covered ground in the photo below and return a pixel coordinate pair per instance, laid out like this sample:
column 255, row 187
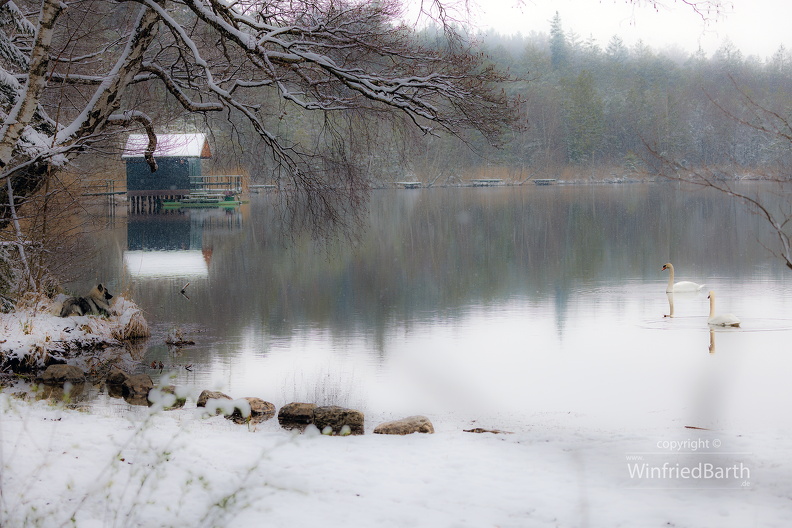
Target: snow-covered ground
column 175, row 468
column 147, row 467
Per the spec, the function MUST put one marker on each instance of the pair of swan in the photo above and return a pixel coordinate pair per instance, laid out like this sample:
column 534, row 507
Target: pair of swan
column 687, row 286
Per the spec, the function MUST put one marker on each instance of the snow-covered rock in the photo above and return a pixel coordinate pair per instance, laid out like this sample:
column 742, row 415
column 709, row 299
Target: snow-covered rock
column 207, row 395
column 334, row 419
column 253, row 410
column 296, row 415
column 405, row 426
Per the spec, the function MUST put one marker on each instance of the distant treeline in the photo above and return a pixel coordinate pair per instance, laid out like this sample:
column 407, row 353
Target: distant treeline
column 586, row 110
column 621, row 107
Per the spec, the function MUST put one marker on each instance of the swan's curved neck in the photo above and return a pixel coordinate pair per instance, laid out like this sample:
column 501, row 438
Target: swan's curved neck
column 712, row 305
column 670, row 277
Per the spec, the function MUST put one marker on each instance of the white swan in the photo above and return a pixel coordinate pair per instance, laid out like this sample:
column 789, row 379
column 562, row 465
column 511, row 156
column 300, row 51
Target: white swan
column 684, row 286
column 720, row 319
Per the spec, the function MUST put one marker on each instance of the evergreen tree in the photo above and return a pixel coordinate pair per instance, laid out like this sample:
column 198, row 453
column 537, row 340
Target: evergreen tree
column 558, row 44
column 584, row 119
column 616, row 50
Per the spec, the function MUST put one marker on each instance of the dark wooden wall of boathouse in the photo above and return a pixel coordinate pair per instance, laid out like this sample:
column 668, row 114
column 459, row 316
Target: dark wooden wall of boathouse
column 178, row 169
column 172, row 174
column 146, row 189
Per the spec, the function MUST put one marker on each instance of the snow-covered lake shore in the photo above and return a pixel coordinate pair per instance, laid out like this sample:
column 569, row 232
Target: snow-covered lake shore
column 174, row 468
column 35, row 335
column 598, row 393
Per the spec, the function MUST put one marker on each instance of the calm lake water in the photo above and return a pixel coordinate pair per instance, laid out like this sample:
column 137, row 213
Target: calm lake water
column 487, row 304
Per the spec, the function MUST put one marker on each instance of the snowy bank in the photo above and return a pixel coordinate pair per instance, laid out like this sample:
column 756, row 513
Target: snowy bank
column 177, row 469
column 35, row 335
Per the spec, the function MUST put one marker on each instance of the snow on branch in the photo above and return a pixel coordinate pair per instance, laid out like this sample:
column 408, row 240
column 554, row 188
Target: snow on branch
column 133, row 115
column 106, row 97
column 90, row 62
column 324, row 58
column 177, row 92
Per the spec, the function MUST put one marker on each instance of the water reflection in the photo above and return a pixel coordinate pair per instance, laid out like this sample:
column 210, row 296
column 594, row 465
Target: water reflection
column 171, row 244
column 517, row 299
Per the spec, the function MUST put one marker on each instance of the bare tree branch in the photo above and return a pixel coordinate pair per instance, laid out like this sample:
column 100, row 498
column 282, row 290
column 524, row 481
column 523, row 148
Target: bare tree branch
column 314, row 59
column 128, row 117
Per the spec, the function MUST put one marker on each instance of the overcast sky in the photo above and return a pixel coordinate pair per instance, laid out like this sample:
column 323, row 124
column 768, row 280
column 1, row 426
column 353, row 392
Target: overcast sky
column 755, row 27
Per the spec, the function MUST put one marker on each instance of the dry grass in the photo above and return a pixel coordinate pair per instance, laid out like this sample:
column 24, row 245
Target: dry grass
column 130, row 324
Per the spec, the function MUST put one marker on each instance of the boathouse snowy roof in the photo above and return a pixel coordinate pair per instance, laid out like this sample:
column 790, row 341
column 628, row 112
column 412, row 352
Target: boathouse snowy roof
column 169, row 146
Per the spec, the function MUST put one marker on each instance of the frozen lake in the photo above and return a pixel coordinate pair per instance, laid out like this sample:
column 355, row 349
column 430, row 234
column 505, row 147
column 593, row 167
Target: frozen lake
column 475, row 304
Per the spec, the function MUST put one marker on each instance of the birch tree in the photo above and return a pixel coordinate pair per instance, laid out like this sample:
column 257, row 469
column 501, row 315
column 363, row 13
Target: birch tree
column 74, row 71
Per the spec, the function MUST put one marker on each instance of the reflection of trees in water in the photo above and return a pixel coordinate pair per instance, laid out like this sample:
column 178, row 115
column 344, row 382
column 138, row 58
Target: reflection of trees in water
column 435, row 252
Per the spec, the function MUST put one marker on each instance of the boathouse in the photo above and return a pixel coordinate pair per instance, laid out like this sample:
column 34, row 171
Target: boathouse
column 178, row 165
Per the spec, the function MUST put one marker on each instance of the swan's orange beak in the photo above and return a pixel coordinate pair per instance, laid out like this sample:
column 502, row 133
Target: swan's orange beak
column 664, row 267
